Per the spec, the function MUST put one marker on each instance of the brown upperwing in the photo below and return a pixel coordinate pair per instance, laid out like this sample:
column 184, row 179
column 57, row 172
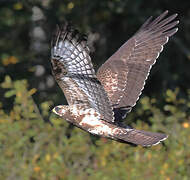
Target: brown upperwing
column 123, row 75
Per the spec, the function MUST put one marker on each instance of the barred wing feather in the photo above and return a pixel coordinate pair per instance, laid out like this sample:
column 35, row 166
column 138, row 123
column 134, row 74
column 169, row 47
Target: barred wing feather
column 74, row 72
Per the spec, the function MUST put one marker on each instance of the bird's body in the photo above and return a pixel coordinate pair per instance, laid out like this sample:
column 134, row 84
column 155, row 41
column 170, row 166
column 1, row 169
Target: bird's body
column 92, row 122
column 97, row 103
column 87, row 119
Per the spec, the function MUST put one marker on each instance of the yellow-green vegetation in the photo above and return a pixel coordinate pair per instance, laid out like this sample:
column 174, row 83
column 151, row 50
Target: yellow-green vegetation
column 34, row 149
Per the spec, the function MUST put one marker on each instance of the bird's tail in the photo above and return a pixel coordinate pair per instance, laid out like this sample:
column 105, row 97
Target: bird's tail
column 142, row 138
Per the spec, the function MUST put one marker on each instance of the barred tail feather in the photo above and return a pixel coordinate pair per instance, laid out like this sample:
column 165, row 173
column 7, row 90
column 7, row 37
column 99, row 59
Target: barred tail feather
column 143, row 138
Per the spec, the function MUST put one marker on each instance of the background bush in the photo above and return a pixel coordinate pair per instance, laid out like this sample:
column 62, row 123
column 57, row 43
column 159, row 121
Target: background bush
column 36, row 144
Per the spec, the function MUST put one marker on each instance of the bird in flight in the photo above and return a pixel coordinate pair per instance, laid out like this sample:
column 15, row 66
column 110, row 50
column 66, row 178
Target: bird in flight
column 98, row 102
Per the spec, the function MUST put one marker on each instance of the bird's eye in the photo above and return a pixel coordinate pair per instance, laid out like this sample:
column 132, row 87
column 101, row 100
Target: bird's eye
column 57, row 109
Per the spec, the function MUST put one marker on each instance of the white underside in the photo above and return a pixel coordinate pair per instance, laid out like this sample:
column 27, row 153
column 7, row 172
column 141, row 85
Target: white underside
column 98, row 126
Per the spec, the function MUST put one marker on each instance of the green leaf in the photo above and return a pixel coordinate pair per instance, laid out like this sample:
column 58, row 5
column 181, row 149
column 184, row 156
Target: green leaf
column 10, row 93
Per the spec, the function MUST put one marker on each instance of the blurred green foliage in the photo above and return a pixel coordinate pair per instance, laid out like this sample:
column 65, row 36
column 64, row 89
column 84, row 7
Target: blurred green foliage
column 36, row 144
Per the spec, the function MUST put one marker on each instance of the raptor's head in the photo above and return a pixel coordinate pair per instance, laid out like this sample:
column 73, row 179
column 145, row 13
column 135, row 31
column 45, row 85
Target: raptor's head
column 60, row 110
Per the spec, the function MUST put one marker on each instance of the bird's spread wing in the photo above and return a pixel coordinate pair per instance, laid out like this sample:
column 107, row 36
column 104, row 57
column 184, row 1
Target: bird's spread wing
column 123, row 75
column 73, row 70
